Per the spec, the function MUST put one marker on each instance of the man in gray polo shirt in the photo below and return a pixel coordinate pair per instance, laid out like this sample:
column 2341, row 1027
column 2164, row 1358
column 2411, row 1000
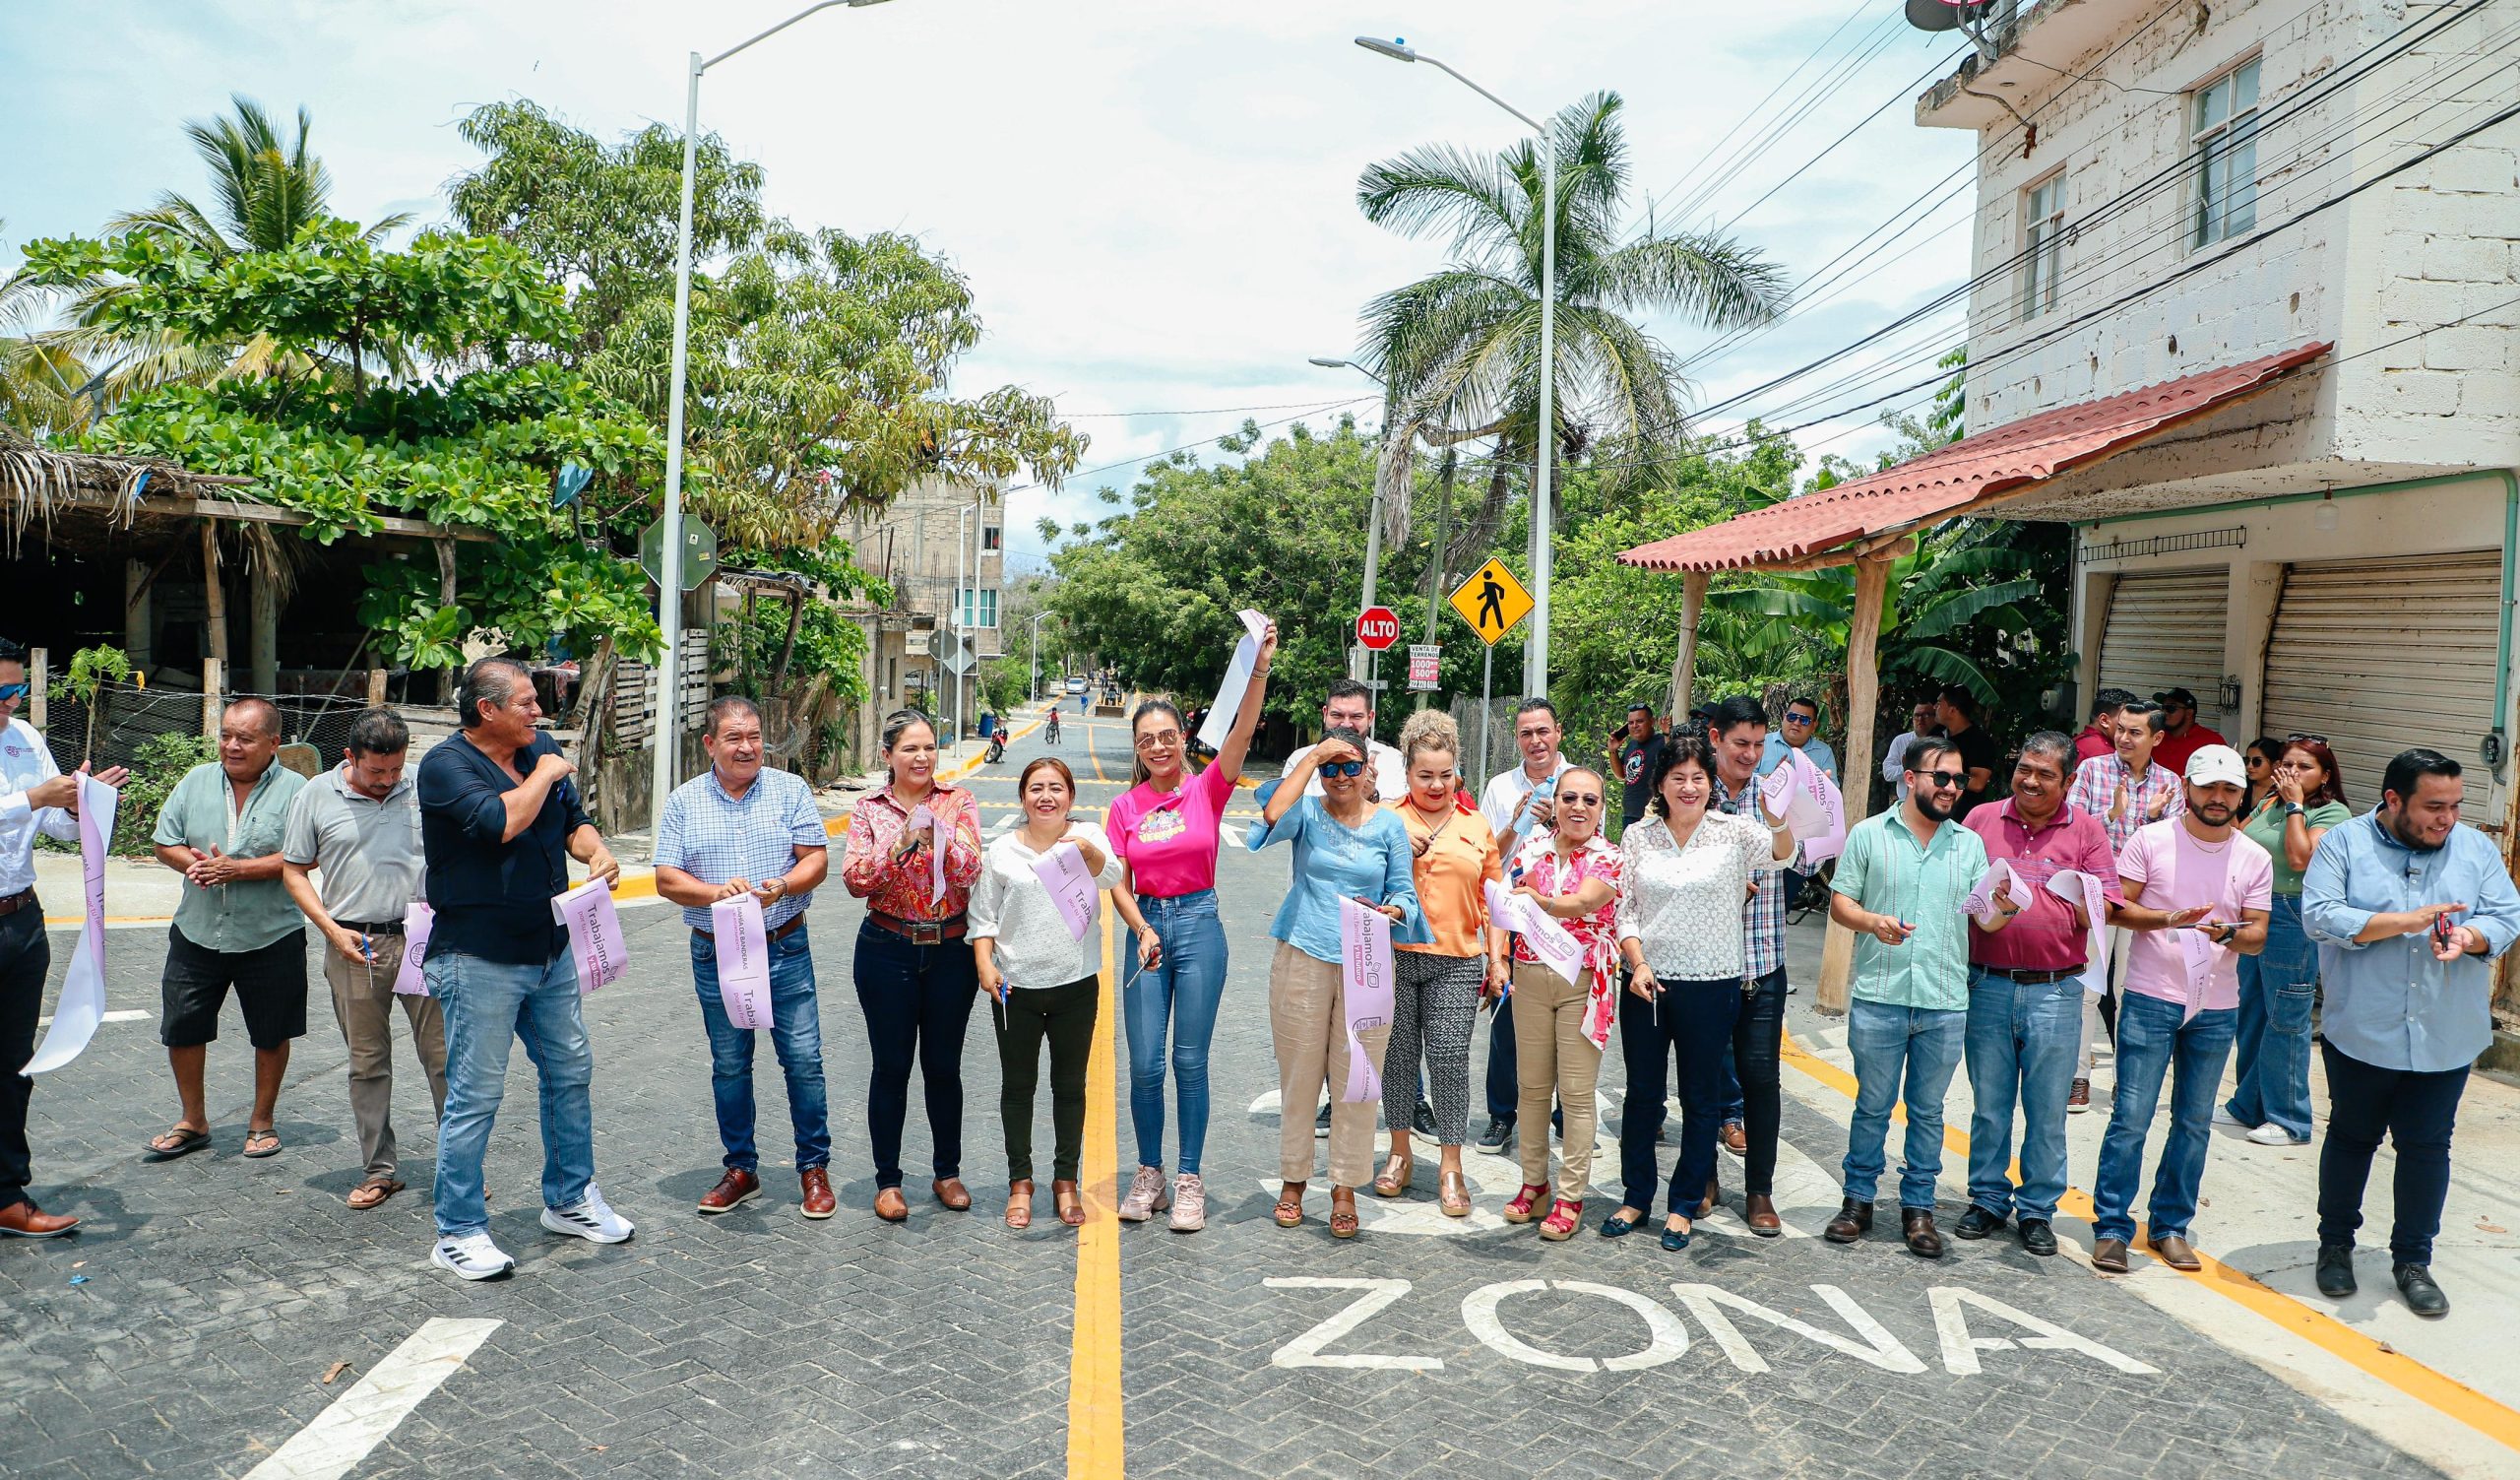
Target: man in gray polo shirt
column 360, row 824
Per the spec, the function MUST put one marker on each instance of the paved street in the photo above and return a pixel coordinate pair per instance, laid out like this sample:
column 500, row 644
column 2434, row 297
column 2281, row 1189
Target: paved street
column 188, row 1330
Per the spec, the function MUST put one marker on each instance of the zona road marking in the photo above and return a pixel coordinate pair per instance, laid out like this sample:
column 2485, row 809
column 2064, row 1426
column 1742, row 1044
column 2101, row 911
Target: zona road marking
column 358, row 1419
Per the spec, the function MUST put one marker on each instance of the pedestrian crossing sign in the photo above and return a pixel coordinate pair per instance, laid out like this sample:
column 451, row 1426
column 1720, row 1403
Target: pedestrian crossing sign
column 1491, row 601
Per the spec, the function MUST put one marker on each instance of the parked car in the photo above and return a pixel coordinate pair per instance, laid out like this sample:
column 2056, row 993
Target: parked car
column 1075, row 686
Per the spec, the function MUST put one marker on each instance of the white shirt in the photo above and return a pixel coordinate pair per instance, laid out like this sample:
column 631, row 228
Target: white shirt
column 1011, row 905
column 1684, row 904
column 1504, row 796
column 26, row 762
column 1391, row 773
column 1894, row 764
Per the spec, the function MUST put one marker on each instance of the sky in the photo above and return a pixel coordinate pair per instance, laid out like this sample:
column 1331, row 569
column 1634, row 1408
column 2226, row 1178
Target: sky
column 1153, row 202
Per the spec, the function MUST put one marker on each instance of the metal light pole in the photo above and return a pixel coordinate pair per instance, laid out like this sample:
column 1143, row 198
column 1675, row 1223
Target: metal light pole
column 1039, row 617
column 1373, row 505
column 669, row 583
column 1534, row 647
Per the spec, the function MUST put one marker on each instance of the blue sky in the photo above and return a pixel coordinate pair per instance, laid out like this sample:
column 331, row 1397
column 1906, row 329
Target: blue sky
column 1155, row 202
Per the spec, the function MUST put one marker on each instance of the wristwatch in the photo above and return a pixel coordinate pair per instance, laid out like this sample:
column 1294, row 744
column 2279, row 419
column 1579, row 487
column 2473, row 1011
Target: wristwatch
column 2294, row 809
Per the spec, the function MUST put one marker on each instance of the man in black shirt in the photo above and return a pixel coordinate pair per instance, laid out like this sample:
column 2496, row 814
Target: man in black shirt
column 1957, row 709
column 1639, row 752
column 499, row 821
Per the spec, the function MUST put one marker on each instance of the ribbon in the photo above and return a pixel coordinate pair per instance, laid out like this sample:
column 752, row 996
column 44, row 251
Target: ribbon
column 417, row 921
column 1237, row 678
column 83, row 992
column 594, row 934
column 1364, row 965
column 2198, row 952
column 938, row 837
column 1811, row 804
column 1061, row 871
column 1548, row 938
column 744, row 960
column 2079, row 889
column 1981, row 903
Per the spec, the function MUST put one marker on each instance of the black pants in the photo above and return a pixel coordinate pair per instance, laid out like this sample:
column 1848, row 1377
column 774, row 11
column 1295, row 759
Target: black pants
column 917, row 1001
column 1065, row 1015
column 2416, row 1111
column 1758, row 1040
column 24, row 958
column 1695, row 1020
column 1504, row 1087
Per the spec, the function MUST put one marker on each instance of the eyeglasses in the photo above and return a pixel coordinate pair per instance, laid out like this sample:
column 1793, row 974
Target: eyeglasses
column 1941, row 780
column 1160, row 741
column 1342, row 768
column 1579, row 799
column 2255, row 760
column 1791, row 718
column 10, row 692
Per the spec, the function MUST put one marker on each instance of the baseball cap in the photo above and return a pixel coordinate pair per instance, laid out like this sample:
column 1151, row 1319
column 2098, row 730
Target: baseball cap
column 2213, row 764
column 2175, row 698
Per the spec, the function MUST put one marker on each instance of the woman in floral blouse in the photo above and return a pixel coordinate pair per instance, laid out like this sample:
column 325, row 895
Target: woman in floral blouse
column 1561, row 1027
column 913, row 853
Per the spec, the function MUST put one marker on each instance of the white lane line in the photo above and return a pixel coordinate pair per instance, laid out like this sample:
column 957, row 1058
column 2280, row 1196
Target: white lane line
column 358, row 1419
column 119, row 1015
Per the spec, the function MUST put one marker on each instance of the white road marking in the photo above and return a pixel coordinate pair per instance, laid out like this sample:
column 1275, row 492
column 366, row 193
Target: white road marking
column 358, row 1419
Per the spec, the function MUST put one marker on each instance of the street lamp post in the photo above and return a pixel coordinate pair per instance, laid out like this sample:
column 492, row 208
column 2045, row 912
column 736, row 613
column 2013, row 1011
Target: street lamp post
column 1373, row 505
column 670, row 576
column 1535, row 648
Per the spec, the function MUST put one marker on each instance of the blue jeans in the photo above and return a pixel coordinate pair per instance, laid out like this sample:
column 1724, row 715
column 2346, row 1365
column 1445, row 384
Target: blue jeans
column 1900, row 1052
column 2151, row 1041
column 1180, row 994
column 2022, row 1040
column 487, row 1005
column 795, row 1035
column 2271, row 1053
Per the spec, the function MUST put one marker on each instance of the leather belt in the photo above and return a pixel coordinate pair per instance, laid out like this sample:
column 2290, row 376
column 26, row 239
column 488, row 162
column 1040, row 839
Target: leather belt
column 22, row 899
column 377, row 927
column 2029, row 978
column 795, row 923
column 920, row 931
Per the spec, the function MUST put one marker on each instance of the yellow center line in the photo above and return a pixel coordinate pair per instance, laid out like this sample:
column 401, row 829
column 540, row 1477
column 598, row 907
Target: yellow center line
column 1094, row 1429
column 2440, row 1393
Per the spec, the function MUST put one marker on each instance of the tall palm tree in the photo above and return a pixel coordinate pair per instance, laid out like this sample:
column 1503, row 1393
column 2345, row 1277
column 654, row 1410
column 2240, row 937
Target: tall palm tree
column 1460, row 349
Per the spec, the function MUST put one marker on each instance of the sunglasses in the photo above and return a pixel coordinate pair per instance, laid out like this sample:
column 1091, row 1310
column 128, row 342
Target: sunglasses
column 1159, row 742
column 10, row 692
column 1579, row 799
column 1342, row 768
column 1941, row 780
column 2315, row 739
column 1791, row 718
column 2256, row 760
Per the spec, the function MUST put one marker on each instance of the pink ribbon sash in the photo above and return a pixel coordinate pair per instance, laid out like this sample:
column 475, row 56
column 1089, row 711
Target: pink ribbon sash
column 744, row 960
column 1365, row 950
column 417, row 921
column 82, row 993
column 594, row 934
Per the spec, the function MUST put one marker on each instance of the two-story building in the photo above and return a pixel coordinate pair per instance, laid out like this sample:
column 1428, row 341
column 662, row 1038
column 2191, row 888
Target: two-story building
column 941, row 548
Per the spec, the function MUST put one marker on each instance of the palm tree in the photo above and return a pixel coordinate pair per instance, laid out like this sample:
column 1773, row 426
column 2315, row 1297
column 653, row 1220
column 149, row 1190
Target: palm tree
column 1460, row 349
column 264, row 191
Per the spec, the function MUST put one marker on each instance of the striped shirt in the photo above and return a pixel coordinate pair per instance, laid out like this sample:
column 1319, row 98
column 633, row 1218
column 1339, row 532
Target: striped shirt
column 716, row 838
column 1763, row 914
column 2095, row 791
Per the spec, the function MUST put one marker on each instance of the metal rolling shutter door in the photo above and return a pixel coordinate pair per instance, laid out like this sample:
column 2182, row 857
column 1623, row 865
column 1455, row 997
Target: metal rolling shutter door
column 2166, row 631
column 2383, row 655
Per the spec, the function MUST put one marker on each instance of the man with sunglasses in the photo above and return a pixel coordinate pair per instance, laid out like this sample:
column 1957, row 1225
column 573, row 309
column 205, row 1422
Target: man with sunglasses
column 1800, row 732
column 34, row 797
column 2182, row 735
column 1519, row 803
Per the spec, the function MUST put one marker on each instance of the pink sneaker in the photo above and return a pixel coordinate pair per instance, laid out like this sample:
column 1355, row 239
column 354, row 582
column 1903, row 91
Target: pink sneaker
column 1189, row 1203
column 1145, row 1196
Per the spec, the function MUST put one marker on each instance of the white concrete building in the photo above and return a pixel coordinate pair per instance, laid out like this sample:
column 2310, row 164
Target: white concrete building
column 941, row 548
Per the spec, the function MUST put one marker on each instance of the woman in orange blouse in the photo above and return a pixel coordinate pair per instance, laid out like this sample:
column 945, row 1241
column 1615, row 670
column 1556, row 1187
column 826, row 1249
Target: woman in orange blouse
column 916, row 976
column 1436, row 987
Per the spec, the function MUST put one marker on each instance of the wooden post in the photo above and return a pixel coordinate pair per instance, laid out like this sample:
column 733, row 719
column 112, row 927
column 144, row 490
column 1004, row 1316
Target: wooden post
column 262, row 606
column 447, row 680
column 1685, row 666
column 215, row 592
column 376, row 688
column 1863, row 686
column 137, row 628
column 213, row 673
column 39, row 661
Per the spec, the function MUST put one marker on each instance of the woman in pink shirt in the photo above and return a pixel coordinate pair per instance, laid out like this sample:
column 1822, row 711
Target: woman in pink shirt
column 1165, row 830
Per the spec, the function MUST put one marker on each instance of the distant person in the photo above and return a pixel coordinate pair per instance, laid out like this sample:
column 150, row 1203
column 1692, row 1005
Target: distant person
column 2260, row 757
column 2098, row 737
column 1799, row 731
column 1640, row 754
column 1921, row 725
column 1957, row 709
column 2182, row 735
column 2271, row 1055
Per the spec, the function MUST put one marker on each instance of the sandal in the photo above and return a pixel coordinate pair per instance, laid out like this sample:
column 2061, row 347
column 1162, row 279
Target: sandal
column 1452, row 1194
column 1018, row 1204
column 372, row 1191
column 1563, row 1216
column 1396, row 1177
column 1342, row 1221
column 1289, row 1210
column 266, row 1137
column 1070, row 1203
column 183, row 1140
column 1520, row 1210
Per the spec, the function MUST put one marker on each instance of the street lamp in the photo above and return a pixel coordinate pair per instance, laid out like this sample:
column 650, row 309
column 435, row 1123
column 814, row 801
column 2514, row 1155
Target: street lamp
column 669, row 582
column 1373, row 506
column 1535, row 648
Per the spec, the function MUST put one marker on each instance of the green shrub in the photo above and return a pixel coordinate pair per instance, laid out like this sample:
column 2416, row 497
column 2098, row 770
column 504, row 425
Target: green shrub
column 161, row 761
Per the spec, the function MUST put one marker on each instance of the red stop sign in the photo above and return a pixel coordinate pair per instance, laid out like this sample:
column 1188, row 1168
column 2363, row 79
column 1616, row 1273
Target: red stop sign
column 1377, row 628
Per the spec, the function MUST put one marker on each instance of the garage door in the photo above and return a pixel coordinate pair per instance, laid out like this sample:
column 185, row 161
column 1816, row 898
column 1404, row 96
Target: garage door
column 2165, row 631
column 2382, row 655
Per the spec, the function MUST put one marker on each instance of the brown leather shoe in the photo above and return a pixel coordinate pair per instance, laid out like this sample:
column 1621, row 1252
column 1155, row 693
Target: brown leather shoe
column 1707, row 1204
column 1758, row 1209
column 891, row 1206
column 24, row 1220
column 951, row 1192
column 1737, row 1140
column 735, row 1187
column 2078, row 1098
column 2176, row 1253
column 1853, row 1222
column 1916, row 1225
column 2108, row 1255
column 818, row 1201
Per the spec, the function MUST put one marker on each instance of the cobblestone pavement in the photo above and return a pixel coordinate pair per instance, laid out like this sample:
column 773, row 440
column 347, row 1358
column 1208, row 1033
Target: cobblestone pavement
column 212, row 1295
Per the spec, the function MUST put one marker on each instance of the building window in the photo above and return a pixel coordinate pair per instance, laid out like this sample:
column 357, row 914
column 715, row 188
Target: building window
column 991, row 534
column 2223, row 125
column 979, row 608
column 2043, row 244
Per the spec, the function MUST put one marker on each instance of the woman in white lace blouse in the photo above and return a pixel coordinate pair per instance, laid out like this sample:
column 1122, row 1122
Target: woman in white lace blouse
column 1683, row 874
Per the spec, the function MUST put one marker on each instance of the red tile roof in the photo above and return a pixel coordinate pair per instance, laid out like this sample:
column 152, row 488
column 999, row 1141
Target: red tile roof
column 1950, row 478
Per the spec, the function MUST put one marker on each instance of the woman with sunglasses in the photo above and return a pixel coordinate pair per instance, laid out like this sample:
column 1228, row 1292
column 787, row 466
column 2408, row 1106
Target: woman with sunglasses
column 1165, row 830
column 1561, row 1027
column 2259, row 758
column 2271, row 1051
column 1436, row 987
column 1346, row 848
column 1683, row 873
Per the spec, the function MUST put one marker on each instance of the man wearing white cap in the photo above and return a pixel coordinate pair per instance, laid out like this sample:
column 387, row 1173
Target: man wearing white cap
column 2197, row 896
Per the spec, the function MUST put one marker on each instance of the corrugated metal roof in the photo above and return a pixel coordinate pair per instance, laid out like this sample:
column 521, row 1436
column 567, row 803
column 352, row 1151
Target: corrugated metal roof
column 1950, row 478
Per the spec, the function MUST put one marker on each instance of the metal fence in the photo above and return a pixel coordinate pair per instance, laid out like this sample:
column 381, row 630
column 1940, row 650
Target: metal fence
column 125, row 718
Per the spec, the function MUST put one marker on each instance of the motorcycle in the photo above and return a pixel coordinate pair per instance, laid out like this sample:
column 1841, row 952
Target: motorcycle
column 996, row 746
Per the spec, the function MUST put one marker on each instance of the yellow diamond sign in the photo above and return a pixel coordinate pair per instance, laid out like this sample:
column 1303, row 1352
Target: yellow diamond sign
column 1491, row 601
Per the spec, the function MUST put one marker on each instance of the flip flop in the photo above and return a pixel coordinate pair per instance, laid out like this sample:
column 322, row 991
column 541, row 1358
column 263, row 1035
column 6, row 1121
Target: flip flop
column 271, row 1137
column 187, row 1141
column 382, row 1187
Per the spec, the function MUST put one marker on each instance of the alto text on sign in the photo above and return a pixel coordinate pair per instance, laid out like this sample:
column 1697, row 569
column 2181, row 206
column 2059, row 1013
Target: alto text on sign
column 1491, row 601
column 1377, row 628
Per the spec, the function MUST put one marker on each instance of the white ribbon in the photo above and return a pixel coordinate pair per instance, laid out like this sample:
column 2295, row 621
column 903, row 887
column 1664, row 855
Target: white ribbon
column 82, row 993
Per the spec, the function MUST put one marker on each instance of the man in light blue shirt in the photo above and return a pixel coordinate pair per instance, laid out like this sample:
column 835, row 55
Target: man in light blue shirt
column 1800, row 732
column 2408, row 908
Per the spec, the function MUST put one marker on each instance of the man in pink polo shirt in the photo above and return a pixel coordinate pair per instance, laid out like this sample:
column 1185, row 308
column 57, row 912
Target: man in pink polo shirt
column 2025, row 987
column 2198, row 892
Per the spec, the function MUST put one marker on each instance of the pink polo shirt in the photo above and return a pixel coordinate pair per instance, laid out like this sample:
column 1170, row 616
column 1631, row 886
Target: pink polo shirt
column 2043, row 936
column 1169, row 838
column 2179, row 872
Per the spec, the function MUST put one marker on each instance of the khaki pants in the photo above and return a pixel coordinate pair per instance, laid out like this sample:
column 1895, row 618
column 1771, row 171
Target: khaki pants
column 363, row 1001
column 1307, row 1016
column 1552, row 1056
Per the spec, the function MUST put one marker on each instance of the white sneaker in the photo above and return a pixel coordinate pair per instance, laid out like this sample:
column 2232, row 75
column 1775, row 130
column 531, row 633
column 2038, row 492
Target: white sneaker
column 592, row 1220
column 2272, row 1134
column 1147, row 1195
column 2223, row 1117
column 472, row 1257
column 1189, row 1203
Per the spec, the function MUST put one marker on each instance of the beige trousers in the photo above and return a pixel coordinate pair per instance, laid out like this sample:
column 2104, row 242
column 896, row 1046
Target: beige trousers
column 1307, row 1017
column 1552, row 1056
column 363, row 1001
